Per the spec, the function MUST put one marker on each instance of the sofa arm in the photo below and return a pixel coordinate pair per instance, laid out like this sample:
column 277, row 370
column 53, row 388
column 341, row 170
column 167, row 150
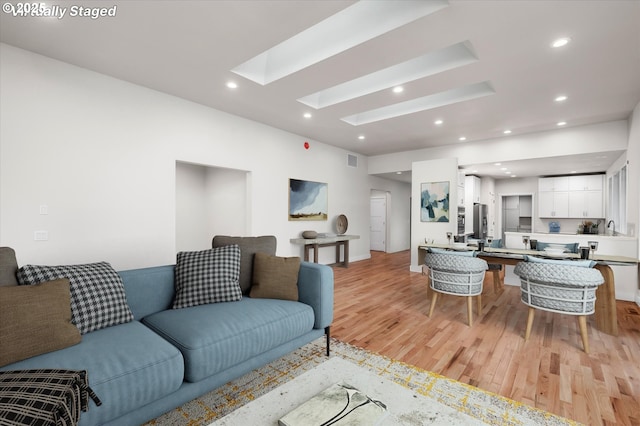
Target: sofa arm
column 315, row 288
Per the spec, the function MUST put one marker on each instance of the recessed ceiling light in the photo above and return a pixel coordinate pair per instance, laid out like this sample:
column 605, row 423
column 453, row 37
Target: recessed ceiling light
column 573, row 171
column 361, row 137
column 438, row 122
column 398, row 89
column 507, row 172
column 506, row 132
column 514, row 176
column 398, row 173
column 561, row 98
column 232, row 85
column 503, row 168
column 307, row 115
column 561, row 42
column 474, row 171
column 497, row 164
column 462, row 138
column 562, row 123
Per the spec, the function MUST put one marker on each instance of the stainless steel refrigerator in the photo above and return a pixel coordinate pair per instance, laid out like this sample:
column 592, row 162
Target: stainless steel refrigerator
column 480, row 221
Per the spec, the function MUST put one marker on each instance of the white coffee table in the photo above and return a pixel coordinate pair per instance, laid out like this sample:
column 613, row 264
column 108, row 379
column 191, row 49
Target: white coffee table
column 405, row 406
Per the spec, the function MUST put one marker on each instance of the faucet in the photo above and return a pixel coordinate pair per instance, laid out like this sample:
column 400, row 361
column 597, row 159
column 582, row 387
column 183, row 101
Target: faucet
column 611, row 222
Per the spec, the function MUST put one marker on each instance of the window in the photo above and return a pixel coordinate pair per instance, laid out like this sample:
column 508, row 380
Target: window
column 618, row 199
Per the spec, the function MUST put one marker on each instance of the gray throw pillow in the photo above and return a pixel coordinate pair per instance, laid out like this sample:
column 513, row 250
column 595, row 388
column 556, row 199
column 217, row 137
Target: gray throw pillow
column 207, row 276
column 98, row 299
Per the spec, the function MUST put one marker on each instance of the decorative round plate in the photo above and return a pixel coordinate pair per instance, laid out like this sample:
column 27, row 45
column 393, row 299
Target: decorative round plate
column 341, row 224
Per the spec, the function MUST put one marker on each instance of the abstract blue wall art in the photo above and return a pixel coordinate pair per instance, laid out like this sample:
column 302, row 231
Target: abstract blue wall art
column 434, row 202
column 308, row 200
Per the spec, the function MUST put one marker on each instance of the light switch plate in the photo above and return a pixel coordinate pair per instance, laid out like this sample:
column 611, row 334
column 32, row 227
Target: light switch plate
column 41, row 235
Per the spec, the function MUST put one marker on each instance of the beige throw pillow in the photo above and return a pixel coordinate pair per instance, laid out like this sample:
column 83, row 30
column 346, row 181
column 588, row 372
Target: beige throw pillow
column 35, row 319
column 275, row 277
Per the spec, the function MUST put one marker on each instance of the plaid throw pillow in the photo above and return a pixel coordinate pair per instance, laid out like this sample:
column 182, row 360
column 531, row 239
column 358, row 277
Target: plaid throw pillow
column 208, row 276
column 98, row 299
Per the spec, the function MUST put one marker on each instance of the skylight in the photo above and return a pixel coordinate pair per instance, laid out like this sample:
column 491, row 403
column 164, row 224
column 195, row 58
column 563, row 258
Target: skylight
column 350, row 27
column 441, row 60
column 448, row 97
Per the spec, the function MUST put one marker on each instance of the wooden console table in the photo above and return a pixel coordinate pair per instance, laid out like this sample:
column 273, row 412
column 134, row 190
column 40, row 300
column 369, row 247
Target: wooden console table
column 315, row 243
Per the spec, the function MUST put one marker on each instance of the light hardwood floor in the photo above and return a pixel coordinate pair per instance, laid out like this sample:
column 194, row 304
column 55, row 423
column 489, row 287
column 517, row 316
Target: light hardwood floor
column 381, row 306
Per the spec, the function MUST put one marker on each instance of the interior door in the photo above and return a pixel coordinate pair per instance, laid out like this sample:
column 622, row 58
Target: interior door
column 378, row 224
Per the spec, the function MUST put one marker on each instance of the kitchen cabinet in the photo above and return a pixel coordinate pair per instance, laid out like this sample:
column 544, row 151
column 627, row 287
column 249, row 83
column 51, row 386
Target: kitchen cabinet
column 579, row 196
column 586, row 204
column 553, row 184
column 461, row 189
column 553, row 204
column 472, row 187
column 586, row 183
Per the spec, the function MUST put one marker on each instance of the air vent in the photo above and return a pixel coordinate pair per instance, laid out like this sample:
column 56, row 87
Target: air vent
column 352, row 160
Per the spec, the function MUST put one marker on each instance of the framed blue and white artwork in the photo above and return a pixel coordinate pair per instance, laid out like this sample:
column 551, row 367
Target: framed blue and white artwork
column 434, row 202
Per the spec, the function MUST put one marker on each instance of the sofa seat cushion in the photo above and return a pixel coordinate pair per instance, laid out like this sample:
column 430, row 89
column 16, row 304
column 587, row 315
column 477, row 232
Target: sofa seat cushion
column 217, row 336
column 127, row 365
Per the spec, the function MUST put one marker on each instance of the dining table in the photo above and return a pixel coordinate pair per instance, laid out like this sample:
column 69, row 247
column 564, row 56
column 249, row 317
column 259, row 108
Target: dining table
column 605, row 315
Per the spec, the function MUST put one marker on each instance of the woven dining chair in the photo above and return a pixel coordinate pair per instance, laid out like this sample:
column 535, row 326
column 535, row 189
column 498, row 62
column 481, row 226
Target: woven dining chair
column 559, row 288
column 456, row 275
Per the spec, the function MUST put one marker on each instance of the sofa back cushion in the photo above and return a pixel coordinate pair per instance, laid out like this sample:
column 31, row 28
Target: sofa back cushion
column 8, row 266
column 249, row 246
column 149, row 290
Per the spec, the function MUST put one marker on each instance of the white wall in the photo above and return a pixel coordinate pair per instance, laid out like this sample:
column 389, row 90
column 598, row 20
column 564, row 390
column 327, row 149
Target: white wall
column 399, row 211
column 633, row 156
column 424, row 172
column 191, row 206
column 209, row 201
column 101, row 154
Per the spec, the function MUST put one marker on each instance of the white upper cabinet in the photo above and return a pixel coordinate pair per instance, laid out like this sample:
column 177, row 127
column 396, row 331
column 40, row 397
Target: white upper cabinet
column 553, row 204
column 579, row 196
column 586, row 183
column 586, row 204
column 461, row 190
column 553, row 184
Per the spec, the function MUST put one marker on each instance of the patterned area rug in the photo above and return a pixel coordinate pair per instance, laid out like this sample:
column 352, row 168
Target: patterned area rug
column 485, row 406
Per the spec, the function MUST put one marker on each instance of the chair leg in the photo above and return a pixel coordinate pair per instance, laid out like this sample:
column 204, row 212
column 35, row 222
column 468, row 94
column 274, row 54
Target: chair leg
column 479, row 303
column 433, row 302
column 582, row 322
column 532, row 313
column 469, row 311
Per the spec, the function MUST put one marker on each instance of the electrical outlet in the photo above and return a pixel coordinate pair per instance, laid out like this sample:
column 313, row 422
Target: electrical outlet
column 41, row 235
column 44, row 209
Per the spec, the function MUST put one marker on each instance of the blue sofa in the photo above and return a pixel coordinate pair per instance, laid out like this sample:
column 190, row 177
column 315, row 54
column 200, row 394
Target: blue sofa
column 167, row 357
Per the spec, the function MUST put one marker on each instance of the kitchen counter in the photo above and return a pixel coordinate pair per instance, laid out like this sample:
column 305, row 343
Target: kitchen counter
column 626, row 285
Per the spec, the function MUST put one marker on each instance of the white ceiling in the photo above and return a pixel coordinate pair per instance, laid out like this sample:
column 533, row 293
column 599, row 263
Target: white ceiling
column 189, row 49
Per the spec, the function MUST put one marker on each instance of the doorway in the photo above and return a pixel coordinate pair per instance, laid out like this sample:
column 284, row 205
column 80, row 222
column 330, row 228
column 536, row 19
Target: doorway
column 517, row 213
column 378, row 221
